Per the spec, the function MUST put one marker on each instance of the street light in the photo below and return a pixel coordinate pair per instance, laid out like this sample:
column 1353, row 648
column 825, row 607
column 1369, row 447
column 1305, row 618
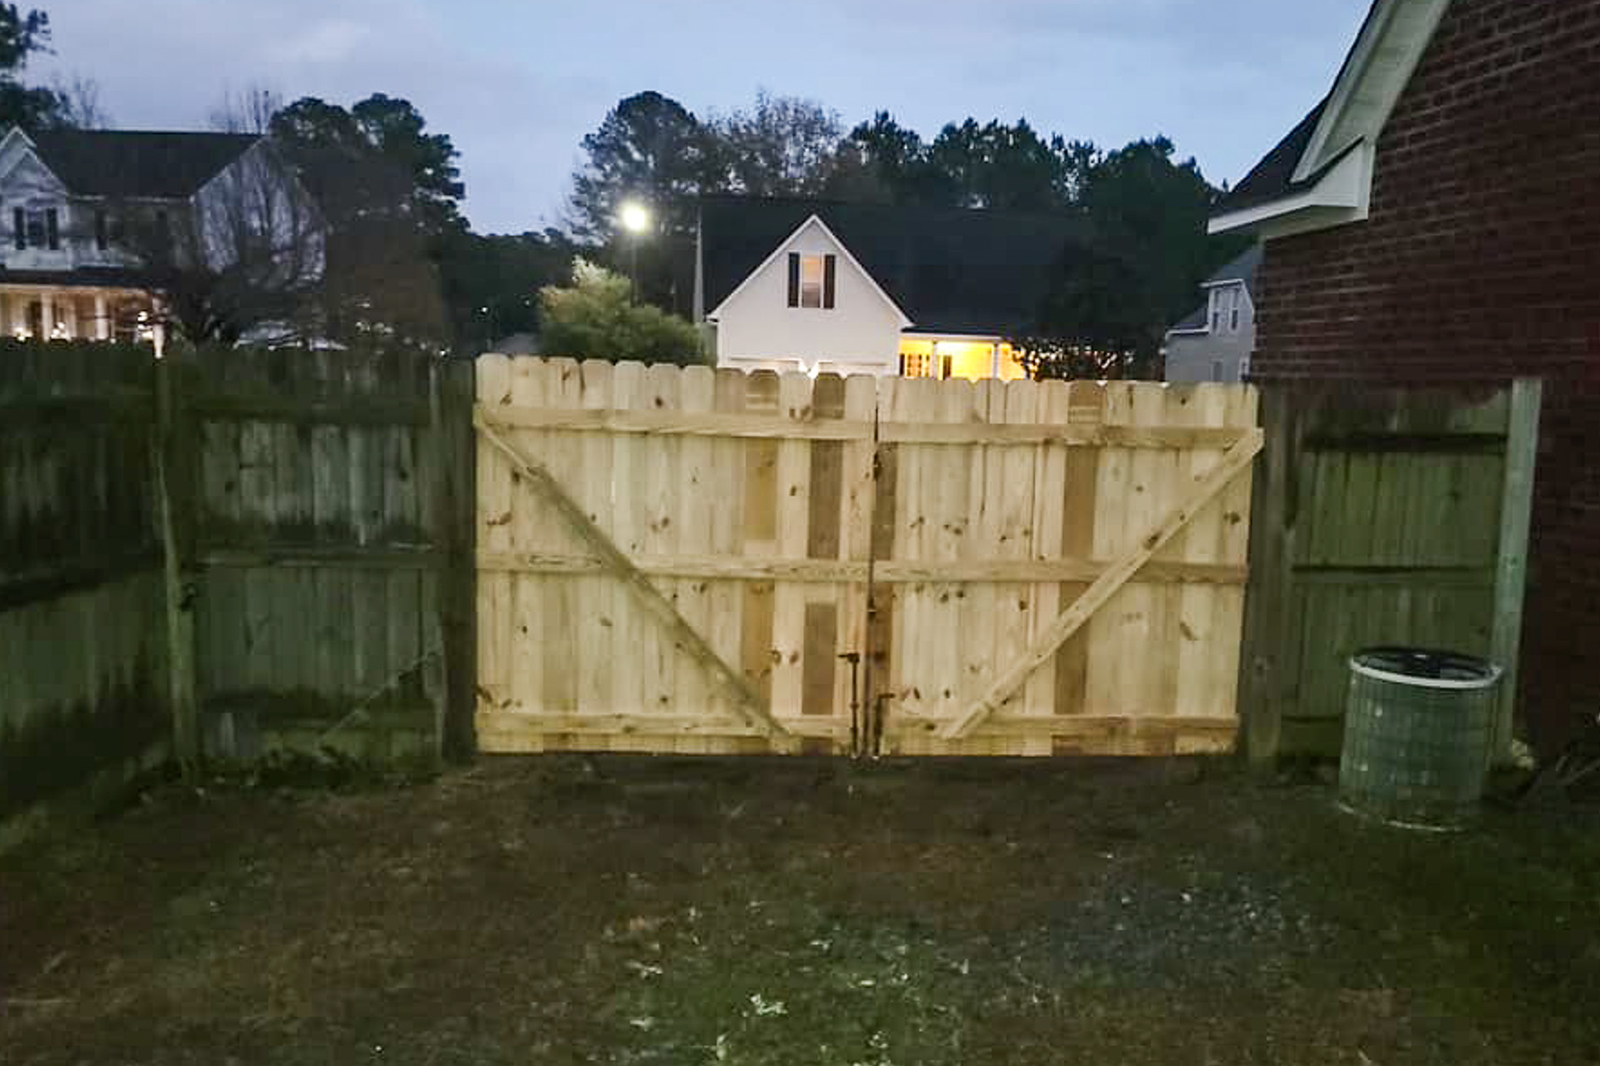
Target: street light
column 635, row 219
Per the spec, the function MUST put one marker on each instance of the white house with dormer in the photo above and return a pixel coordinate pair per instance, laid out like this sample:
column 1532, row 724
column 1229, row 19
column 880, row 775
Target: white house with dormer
column 814, row 285
column 69, row 199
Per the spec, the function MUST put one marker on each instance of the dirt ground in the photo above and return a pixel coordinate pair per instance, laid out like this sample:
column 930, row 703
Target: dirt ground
column 762, row 912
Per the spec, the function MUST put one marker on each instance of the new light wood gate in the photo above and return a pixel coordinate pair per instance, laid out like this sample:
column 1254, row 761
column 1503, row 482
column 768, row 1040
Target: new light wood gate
column 682, row 560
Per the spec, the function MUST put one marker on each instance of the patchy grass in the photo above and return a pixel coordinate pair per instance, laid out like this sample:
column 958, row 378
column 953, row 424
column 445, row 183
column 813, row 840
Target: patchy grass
column 765, row 912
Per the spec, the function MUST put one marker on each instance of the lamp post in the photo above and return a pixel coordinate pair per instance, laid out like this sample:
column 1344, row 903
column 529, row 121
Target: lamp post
column 635, row 219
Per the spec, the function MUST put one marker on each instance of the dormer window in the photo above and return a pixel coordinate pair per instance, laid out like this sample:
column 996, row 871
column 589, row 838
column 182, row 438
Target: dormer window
column 811, row 280
column 36, row 227
column 1225, row 310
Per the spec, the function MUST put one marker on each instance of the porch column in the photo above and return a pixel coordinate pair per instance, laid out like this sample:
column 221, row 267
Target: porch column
column 995, row 354
column 102, row 321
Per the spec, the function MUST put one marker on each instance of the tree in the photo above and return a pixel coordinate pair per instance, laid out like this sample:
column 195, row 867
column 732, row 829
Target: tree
column 1140, row 268
column 384, row 128
column 784, row 146
column 389, row 191
column 492, row 283
column 596, row 318
column 651, row 148
column 79, row 104
column 248, row 110
column 1000, row 167
column 883, row 162
column 247, row 256
column 23, row 34
column 1095, row 321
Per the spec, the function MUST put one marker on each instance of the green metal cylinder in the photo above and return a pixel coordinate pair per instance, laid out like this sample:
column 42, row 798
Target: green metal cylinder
column 1418, row 725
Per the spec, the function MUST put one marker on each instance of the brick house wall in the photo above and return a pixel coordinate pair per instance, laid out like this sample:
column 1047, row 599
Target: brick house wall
column 1481, row 261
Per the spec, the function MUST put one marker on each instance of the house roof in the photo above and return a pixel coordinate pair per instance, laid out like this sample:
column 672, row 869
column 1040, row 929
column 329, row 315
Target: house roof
column 950, row 270
column 137, row 164
column 1242, row 268
column 1193, row 322
column 1273, row 177
column 1379, row 63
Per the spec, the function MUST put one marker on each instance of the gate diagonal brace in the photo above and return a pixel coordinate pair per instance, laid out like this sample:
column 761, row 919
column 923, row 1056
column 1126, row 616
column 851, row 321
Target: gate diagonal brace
column 1235, row 460
column 746, row 701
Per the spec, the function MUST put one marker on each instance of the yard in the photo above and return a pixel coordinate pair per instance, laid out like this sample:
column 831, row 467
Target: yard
column 766, row 911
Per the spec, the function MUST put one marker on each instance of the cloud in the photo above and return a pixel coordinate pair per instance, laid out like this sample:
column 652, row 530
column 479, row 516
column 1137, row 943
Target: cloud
column 518, row 85
column 330, row 41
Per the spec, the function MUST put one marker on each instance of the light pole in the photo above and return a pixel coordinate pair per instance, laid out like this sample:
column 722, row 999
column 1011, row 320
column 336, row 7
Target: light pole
column 488, row 327
column 635, row 219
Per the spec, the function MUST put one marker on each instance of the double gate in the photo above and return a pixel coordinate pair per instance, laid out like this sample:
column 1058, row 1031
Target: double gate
column 687, row 560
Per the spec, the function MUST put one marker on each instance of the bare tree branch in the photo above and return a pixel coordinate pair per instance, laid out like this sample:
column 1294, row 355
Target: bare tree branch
column 246, row 254
column 80, row 105
column 247, row 110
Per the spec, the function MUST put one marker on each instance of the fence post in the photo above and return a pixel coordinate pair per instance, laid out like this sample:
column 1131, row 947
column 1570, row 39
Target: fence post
column 1511, row 564
column 173, row 516
column 1265, row 661
column 454, row 482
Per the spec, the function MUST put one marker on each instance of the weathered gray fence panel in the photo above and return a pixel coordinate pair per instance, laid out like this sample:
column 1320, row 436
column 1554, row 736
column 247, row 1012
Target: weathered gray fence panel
column 320, row 526
column 82, row 657
column 318, row 565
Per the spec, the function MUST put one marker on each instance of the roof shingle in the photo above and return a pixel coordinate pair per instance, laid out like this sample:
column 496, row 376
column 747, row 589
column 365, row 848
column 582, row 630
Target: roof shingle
column 1273, row 177
column 950, row 270
column 141, row 165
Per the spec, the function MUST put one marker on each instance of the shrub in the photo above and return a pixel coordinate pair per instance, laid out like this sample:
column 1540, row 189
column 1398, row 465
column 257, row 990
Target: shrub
column 595, row 318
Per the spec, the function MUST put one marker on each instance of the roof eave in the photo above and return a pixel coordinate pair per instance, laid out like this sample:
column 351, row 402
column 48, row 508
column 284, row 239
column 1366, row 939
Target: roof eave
column 1340, row 195
column 1380, row 63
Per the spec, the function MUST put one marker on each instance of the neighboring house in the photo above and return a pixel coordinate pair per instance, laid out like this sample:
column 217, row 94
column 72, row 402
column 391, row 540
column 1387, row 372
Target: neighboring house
column 1436, row 219
column 72, row 201
column 858, row 288
column 1215, row 341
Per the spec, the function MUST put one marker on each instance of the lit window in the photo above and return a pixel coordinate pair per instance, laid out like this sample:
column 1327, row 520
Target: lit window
column 811, row 281
column 916, row 365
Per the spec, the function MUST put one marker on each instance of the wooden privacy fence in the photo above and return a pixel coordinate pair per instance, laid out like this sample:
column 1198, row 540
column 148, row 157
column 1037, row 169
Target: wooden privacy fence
column 313, row 494
column 695, row 561
column 230, row 550
column 1383, row 516
column 82, row 654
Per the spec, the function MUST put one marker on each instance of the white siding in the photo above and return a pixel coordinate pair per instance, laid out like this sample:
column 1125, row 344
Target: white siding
column 28, row 185
column 756, row 328
column 253, row 201
column 1193, row 357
